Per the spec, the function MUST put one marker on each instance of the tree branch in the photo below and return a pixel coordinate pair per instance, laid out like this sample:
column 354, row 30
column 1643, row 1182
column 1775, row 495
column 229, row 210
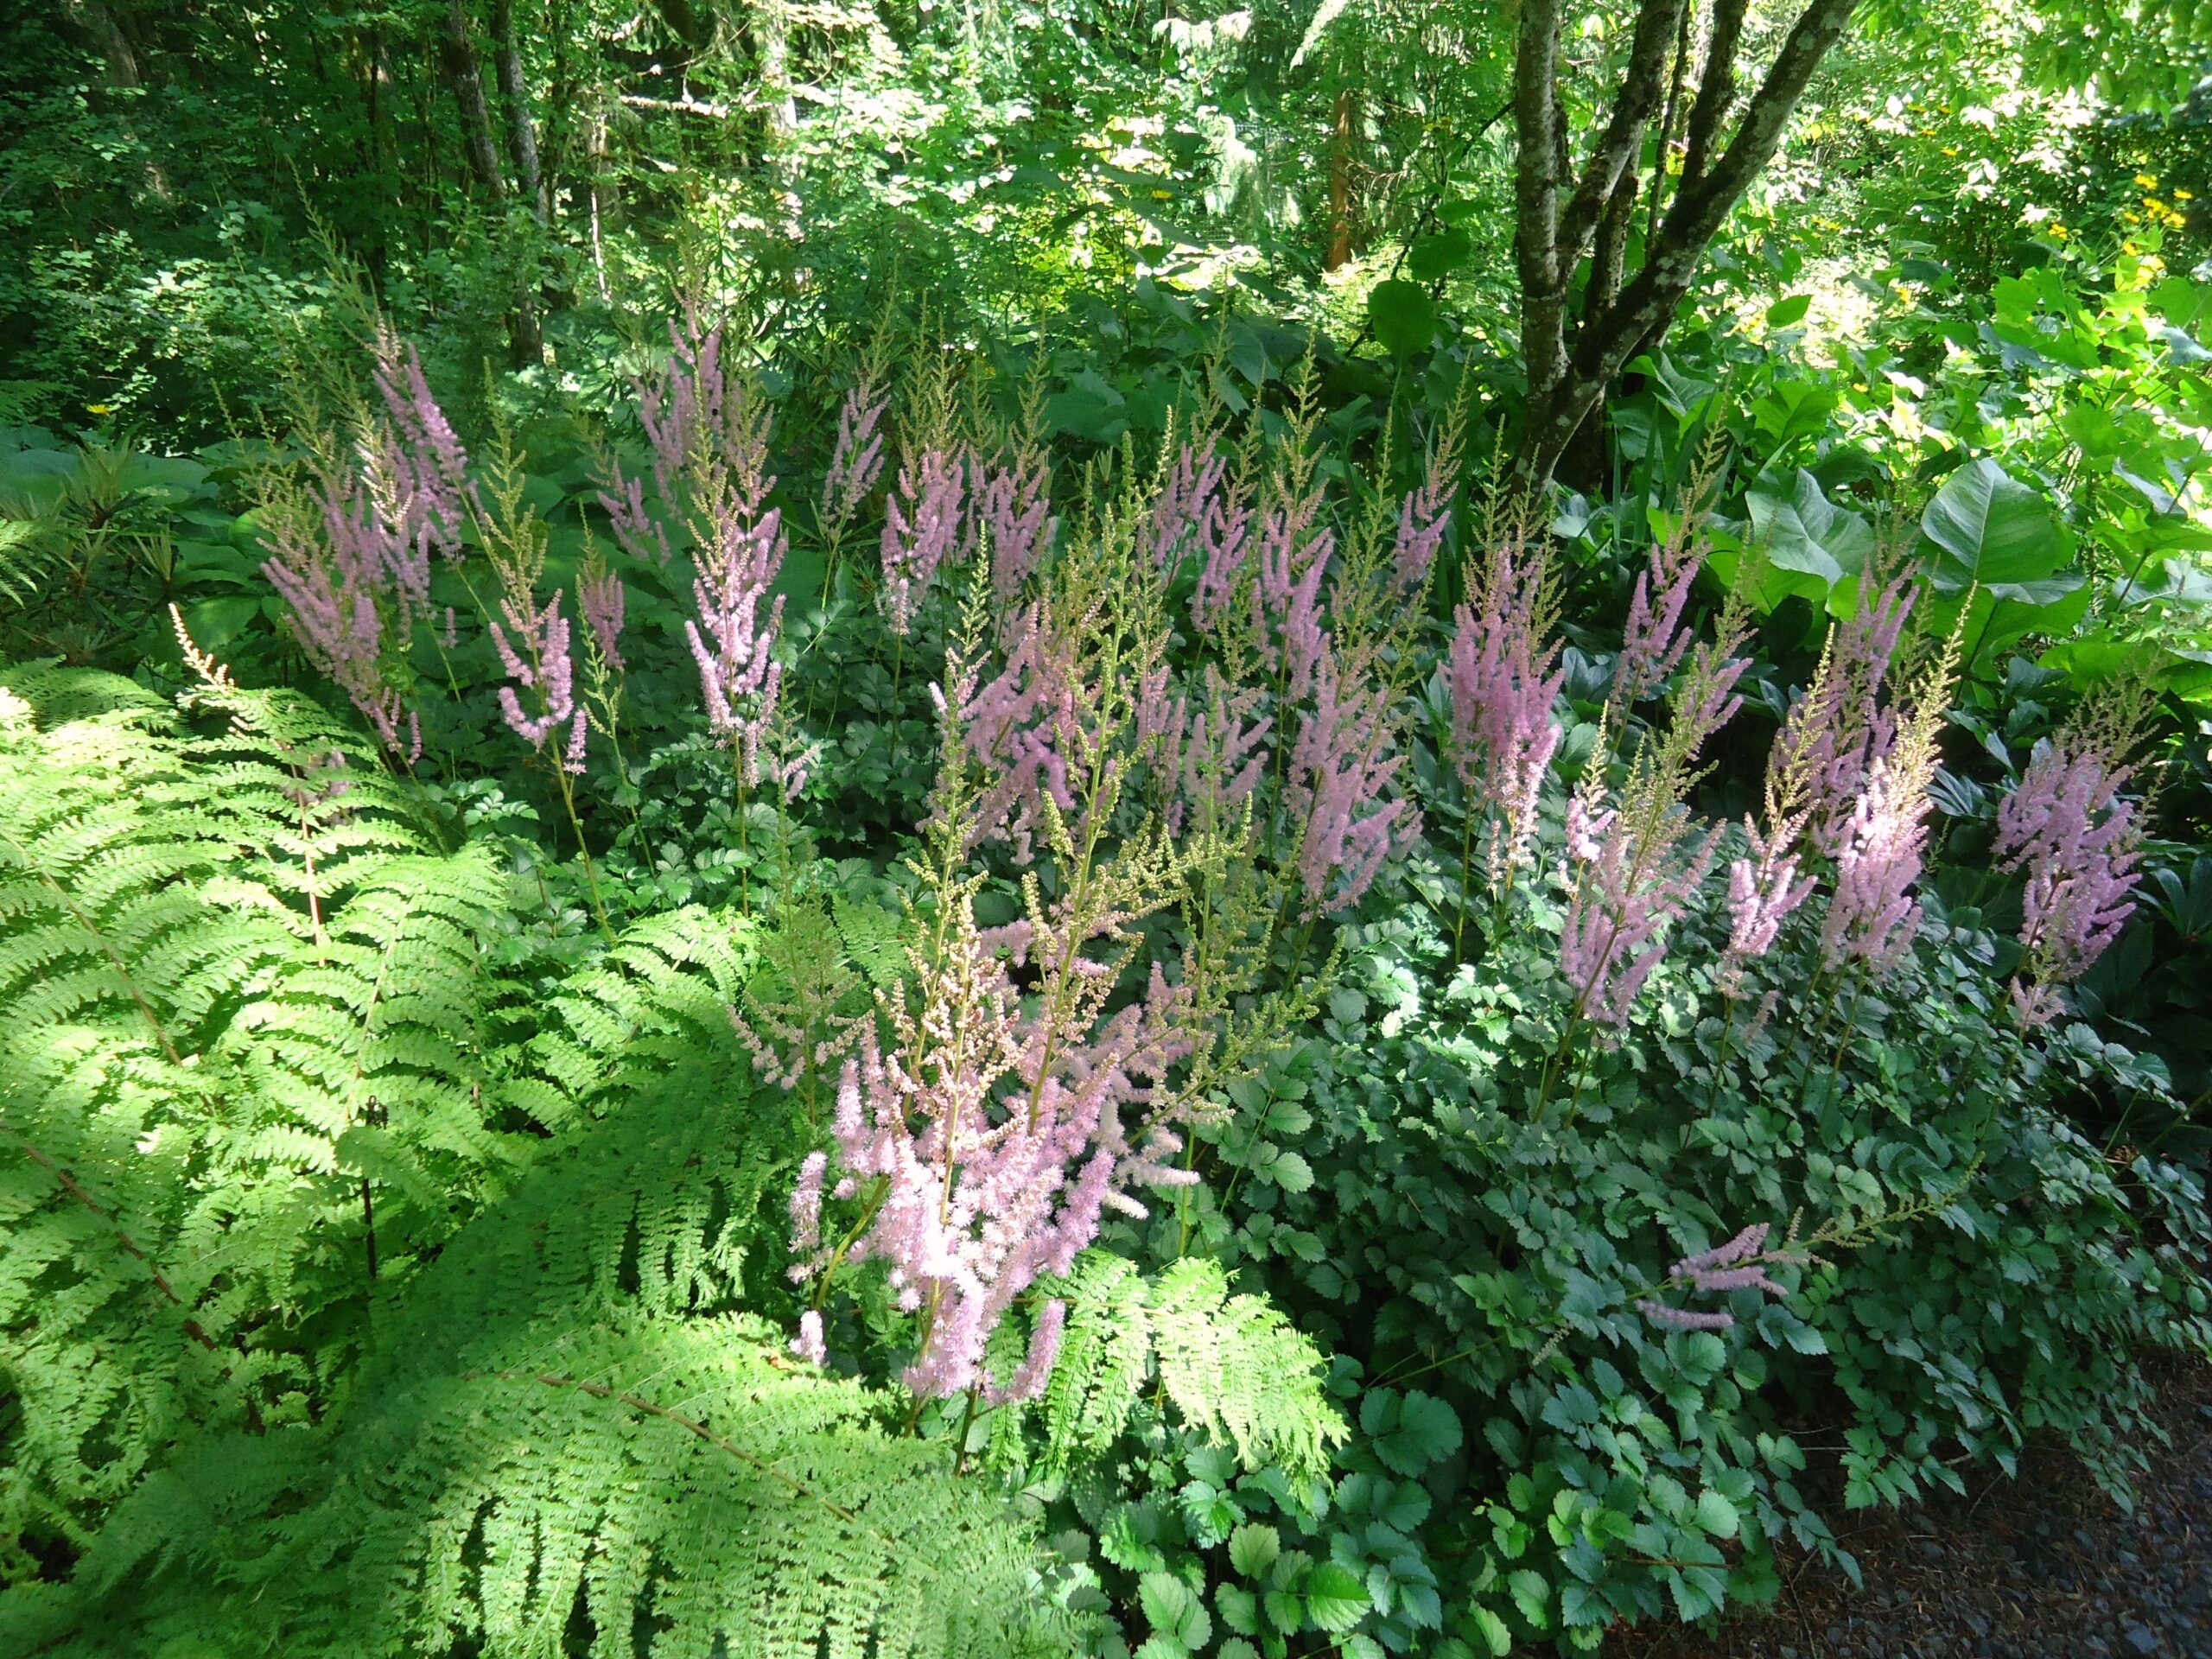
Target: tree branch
column 1539, row 128
column 1606, row 342
column 1641, row 88
column 1716, row 90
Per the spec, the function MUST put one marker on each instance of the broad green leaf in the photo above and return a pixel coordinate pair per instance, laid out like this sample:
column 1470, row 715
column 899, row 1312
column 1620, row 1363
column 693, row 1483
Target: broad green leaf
column 1173, row 1610
column 1492, row 1629
column 1090, row 408
column 1788, row 313
column 1716, row 1514
column 1990, row 529
column 1253, row 1549
column 1409, row 1433
column 1403, row 316
column 1336, row 1598
column 1802, row 532
column 1432, row 257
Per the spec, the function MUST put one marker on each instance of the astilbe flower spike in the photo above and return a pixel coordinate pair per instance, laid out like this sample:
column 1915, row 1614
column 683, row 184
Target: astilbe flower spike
column 1763, row 890
column 331, row 579
column 1739, row 1264
column 1222, row 538
column 1023, row 724
column 1010, row 506
column 1336, row 792
column 1190, row 488
column 981, row 1195
column 856, row 460
column 731, row 645
column 417, row 454
column 1294, row 551
column 547, row 670
column 2066, row 826
column 1629, row 887
column 1423, row 518
column 600, row 597
column 1629, row 875
column 921, row 529
column 1503, row 682
column 1872, row 917
column 1841, row 728
column 1654, row 639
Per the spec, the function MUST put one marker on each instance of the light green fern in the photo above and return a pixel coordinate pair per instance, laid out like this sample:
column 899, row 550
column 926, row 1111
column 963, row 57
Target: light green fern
column 357, row 1295
column 1231, row 1365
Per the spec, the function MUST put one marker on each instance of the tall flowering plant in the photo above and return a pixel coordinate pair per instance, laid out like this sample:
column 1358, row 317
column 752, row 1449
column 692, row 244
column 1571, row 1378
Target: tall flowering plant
column 2077, row 842
column 350, row 554
column 988, row 1137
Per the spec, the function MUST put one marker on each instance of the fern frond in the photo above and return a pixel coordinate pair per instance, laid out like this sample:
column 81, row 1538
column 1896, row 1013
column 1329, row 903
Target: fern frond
column 1233, row 1366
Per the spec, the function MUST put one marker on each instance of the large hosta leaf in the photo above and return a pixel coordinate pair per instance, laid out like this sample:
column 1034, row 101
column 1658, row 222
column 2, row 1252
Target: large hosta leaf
column 1807, row 536
column 1989, row 529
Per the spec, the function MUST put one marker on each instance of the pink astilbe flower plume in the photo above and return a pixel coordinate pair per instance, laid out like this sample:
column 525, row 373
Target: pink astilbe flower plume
column 1629, row 887
column 352, row 560
column 416, row 456
column 1222, row 538
column 1023, row 724
column 1763, row 890
column 1294, row 552
column 1337, row 793
column 1627, row 865
column 1872, row 917
column 978, row 1193
column 1010, row 507
column 1423, row 518
column 331, row 578
column 2066, row 826
column 921, row 529
column 1504, row 680
column 1654, row 639
column 600, row 597
column 1191, row 487
column 733, row 644
column 538, row 661
column 856, row 460
column 1739, row 1264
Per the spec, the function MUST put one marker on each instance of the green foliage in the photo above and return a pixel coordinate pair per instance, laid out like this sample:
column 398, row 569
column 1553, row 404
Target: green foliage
column 1233, row 1367
column 272, row 1061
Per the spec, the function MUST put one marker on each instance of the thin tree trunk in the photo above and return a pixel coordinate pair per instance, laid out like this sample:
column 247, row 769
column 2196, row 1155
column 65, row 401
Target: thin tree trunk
column 1671, row 115
column 1339, row 252
column 465, row 74
column 772, row 34
column 522, row 127
column 126, row 72
column 600, row 187
column 1540, row 125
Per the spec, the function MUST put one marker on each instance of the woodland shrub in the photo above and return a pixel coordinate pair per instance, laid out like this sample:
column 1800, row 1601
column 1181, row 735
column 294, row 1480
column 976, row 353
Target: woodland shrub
column 1258, row 1069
